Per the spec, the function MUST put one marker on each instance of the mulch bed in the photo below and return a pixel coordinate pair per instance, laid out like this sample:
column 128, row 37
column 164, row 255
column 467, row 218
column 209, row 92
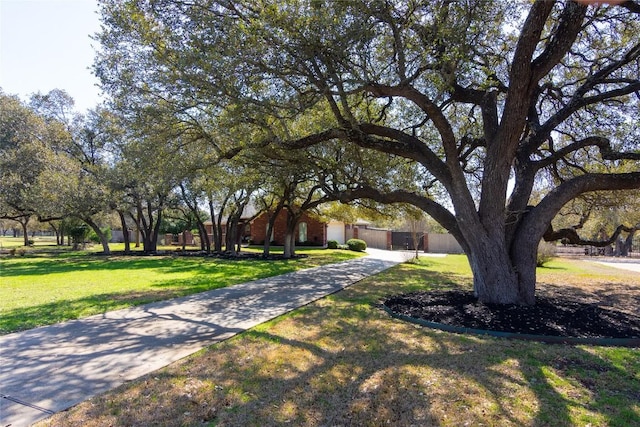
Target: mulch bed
column 553, row 314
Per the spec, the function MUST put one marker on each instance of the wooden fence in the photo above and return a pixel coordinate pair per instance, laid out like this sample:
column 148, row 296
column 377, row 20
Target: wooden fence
column 398, row 240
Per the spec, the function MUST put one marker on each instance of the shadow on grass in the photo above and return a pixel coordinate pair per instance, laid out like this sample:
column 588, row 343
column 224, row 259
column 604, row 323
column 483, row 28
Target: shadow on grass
column 344, row 362
column 349, row 372
column 208, row 275
column 204, row 274
column 58, row 264
column 35, row 266
column 24, row 318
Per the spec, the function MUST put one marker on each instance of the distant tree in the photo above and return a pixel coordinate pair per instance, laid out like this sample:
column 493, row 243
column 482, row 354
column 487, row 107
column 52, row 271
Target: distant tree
column 72, row 184
column 600, row 220
column 25, row 146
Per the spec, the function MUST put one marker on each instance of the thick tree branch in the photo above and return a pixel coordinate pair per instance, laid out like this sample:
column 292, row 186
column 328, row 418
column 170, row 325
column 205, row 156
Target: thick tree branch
column 578, row 100
column 632, row 6
column 435, row 210
column 570, row 235
column 411, row 147
column 535, row 223
column 565, row 35
column 603, row 144
column 395, row 142
column 427, row 106
column 520, row 75
column 461, row 197
column 486, row 100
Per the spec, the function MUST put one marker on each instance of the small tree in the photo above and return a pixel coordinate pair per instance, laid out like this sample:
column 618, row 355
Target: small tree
column 78, row 232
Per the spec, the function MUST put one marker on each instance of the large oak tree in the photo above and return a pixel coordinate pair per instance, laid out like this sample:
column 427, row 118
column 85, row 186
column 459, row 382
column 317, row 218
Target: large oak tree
column 485, row 97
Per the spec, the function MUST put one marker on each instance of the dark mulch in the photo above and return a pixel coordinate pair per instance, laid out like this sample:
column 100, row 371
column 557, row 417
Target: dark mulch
column 553, row 314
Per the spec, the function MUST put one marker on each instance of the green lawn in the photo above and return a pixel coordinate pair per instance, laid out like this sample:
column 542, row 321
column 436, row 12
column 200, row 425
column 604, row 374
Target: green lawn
column 343, row 361
column 15, row 242
column 42, row 288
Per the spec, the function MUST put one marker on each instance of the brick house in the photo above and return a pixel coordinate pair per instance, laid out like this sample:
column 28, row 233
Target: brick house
column 310, row 230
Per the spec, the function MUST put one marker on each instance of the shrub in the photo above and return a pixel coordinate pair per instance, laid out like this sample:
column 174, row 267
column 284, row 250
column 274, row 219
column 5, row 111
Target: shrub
column 356, row 245
column 546, row 252
column 332, row 244
column 94, row 237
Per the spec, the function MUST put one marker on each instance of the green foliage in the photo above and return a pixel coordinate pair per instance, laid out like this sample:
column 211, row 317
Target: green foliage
column 357, row 245
column 93, row 237
column 332, row 244
column 443, row 99
column 78, row 231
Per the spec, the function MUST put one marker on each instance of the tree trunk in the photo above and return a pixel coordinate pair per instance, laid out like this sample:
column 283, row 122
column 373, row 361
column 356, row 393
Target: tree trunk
column 125, row 232
column 25, row 232
column 267, row 237
column 205, row 243
column 290, row 237
column 500, row 277
column 269, row 231
column 217, row 237
column 628, row 242
column 153, row 244
column 232, row 234
column 149, row 226
column 216, row 226
column 102, row 236
column 138, row 228
column 239, row 237
column 56, row 230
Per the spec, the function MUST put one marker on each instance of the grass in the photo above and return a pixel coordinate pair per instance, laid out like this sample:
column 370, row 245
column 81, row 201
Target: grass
column 342, row 361
column 42, row 288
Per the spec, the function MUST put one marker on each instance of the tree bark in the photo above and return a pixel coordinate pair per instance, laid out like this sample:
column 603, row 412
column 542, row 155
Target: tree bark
column 205, row 243
column 125, row 232
column 269, row 230
column 25, row 232
column 103, row 238
column 628, row 242
column 56, row 230
column 232, row 234
column 290, row 237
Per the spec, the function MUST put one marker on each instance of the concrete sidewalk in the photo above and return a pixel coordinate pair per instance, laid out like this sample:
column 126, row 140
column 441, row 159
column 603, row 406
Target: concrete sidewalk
column 49, row 369
column 626, row 265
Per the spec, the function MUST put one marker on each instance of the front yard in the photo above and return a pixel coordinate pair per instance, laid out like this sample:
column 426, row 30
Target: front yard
column 342, row 361
column 42, row 288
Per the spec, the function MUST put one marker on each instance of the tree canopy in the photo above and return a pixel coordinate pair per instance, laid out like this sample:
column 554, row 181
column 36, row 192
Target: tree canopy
column 544, row 99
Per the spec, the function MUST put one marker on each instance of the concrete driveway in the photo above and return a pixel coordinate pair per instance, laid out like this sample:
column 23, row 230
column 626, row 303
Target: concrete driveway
column 49, row 369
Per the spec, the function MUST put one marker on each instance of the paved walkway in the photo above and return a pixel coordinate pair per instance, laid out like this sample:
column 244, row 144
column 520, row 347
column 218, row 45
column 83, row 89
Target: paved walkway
column 49, row 369
column 632, row 266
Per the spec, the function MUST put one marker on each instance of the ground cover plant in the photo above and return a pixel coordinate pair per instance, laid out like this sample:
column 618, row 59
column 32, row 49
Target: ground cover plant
column 43, row 288
column 343, row 361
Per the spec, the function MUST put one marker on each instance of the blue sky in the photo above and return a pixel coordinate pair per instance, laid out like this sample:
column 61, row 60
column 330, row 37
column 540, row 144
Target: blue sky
column 45, row 44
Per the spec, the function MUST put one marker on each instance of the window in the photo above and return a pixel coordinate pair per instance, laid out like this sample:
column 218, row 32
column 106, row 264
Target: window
column 302, row 232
